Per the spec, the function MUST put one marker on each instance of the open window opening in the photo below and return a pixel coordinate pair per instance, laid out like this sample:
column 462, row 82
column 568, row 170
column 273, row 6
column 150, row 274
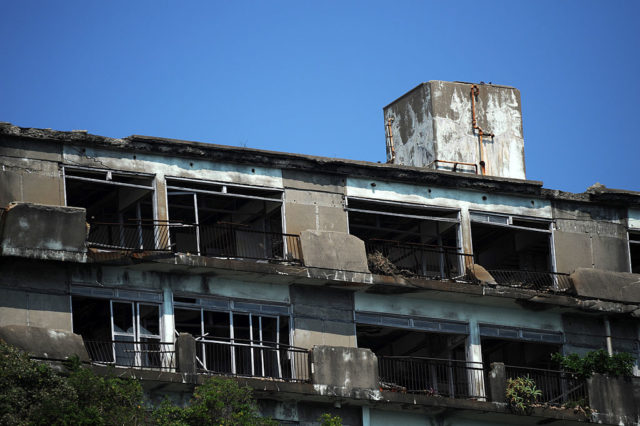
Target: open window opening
column 119, row 332
column 516, row 251
column 236, row 343
column 515, row 353
column 417, row 360
column 393, row 341
column 226, row 220
column 519, row 347
column 407, row 238
column 119, row 206
column 634, row 251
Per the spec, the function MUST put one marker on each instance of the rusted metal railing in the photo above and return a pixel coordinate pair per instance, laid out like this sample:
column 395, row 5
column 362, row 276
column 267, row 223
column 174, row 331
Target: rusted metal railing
column 557, row 387
column 433, row 262
column 536, row 280
column 207, row 240
column 431, row 376
column 240, row 357
column 142, row 354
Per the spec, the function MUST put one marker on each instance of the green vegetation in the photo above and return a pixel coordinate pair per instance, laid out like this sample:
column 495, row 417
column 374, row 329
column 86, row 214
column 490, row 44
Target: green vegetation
column 522, row 394
column 620, row 364
column 328, row 420
column 31, row 393
column 218, row 401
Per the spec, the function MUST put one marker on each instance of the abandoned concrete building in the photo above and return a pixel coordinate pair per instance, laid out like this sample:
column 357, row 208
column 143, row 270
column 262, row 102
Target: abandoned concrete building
column 405, row 292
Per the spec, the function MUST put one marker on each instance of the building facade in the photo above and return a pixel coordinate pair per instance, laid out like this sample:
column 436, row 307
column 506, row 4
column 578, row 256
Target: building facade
column 397, row 293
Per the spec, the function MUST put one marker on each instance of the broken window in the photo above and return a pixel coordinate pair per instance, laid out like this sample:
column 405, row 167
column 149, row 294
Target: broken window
column 226, row 220
column 238, row 343
column 519, row 347
column 119, row 206
column 407, row 238
column 419, row 355
column 510, row 243
column 117, row 331
column 634, row 251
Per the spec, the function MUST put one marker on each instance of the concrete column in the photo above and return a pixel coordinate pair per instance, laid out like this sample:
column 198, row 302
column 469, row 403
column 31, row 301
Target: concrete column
column 162, row 212
column 465, row 231
column 168, row 321
column 497, row 382
column 186, row 353
column 366, row 416
column 474, row 360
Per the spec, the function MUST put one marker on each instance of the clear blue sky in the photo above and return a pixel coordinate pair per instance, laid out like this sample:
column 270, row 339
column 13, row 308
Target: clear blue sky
column 312, row 77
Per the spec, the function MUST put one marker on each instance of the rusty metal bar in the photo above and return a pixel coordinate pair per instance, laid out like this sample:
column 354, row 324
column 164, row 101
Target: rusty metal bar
column 390, row 140
column 474, row 122
column 456, row 163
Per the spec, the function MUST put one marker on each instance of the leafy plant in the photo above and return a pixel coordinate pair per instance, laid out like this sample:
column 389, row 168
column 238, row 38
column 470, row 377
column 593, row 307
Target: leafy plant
column 328, row 420
column 620, row 364
column 218, row 401
column 32, row 393
column 521, row 394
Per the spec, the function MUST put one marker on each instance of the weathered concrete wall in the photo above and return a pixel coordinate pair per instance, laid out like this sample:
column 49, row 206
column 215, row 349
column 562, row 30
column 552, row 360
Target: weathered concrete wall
column 43, row 342
column 615, row 400
column 583, row 333
column 44, row 232
column 322, row 316
column 589, row 236
column 205, row 285
column 412, row 127
column 467, row 310
column 345, row 369
column 29, row 172
column 34, row 293
column 333, row 250
column 314, row 201
column 434, row 121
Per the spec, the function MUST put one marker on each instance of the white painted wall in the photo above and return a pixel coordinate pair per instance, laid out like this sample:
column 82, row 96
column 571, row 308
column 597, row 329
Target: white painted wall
column 163, row 165
column 445, row 197
column 634, row 218
column 410, row 305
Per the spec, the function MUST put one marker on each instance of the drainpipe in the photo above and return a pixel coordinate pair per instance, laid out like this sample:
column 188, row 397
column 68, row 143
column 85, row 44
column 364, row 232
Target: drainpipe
column 607, row 333
column 477, row 129
column 390, row 146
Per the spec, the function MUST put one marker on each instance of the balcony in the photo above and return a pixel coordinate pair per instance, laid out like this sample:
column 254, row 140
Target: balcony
column 533, row 280
column 557, row 387
column 431, row 376
column 327, row 366
column 228, row 241
column 388, row 257
column 247, row 358
column 144, row 354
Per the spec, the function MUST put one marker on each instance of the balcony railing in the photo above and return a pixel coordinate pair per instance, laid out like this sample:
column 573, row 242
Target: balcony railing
column 143, row 354
column 228, row 241
column 431, row 376
column 557, row 387
column 238, row 357
column 532, row 279
column 434, row 262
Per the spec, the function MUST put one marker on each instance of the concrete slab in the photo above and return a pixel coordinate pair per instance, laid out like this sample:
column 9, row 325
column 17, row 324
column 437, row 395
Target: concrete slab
column 344, row 368
column 45, row 343
column 599, row 284
column 333, row 250
column 44, row 232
